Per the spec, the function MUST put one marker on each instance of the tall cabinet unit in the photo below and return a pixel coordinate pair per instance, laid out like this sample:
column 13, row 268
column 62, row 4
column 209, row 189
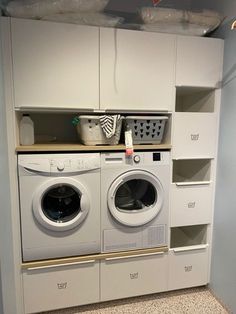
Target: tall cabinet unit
column 53, row 70
column 194, row 139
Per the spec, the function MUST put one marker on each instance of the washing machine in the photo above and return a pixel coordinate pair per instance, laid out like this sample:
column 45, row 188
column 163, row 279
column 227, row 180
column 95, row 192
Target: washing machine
column 134, row 200
column 59, row 205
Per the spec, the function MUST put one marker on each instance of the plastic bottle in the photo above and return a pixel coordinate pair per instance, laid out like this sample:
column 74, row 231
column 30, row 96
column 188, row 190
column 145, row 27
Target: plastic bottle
column 26, row 130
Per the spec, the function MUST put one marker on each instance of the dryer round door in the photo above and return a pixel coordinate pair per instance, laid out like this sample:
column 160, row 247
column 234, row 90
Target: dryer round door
column 61, row 204
column 135, row 198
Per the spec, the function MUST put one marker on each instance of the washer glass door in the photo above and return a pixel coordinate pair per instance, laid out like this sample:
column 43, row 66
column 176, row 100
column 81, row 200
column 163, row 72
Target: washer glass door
column 61, row 204
column 135, row 198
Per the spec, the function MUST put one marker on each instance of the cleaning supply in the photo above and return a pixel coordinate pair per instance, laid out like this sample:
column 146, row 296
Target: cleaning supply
column 26, row 130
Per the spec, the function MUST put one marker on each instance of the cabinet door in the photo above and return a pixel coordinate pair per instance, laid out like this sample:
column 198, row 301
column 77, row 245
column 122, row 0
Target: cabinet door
column 194, row 134
column 199, row 61
column 188, row 267
column 132, row 276
column 55, row 65
column 56, row 287
column 136, row 70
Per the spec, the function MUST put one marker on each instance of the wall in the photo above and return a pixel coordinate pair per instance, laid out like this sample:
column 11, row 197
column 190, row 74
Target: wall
column 223, row 271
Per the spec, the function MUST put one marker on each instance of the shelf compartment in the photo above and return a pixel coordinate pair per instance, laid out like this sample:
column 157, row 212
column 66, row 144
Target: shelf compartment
column 195, row 100
column 132, row 276
column 53, row 130
column 187, row 236
column 191, row 172
column 61, row 286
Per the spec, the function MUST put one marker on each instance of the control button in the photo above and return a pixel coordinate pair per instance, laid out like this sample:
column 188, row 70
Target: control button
column 137, row 159
column 60, row 165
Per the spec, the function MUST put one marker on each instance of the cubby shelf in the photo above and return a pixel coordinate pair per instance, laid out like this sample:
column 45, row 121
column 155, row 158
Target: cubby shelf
column 79, row 147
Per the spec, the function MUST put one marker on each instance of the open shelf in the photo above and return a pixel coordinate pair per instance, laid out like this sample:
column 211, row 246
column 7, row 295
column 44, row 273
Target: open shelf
column 188, row 236
column 190, row 99
column 191, row 170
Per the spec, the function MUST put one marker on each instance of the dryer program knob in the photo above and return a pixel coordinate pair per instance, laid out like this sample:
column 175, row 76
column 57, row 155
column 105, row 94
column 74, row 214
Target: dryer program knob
column 60, row 166
column 137, row 159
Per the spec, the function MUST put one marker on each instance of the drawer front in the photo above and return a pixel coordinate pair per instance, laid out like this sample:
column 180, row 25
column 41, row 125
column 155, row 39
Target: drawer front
column 188, row 268
column 123, row 278
column 194, row 135
column 49, row 289
column 191, row 205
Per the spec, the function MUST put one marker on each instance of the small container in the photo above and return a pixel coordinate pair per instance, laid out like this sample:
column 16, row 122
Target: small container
column 146, row 129
column 26, row 130
column 90, row 132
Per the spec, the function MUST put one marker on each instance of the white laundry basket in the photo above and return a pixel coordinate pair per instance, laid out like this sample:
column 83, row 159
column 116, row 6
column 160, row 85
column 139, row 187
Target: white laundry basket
column 146, row 129
column 90, row 132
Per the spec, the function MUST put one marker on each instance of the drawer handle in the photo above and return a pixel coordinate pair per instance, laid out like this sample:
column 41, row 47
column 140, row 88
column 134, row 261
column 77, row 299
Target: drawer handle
column 61, row 265
column 193, row 183
column 132, row 256
column 190, row 248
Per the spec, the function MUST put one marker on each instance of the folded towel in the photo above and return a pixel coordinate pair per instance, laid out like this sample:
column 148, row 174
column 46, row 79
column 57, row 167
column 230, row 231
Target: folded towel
column 108, row 124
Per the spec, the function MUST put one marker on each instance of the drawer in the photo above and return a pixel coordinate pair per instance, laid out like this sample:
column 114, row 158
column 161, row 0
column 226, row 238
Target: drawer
column 191, row 204
column 60, row 287
column 188, row 267
column 194, row 134
column 132, row 276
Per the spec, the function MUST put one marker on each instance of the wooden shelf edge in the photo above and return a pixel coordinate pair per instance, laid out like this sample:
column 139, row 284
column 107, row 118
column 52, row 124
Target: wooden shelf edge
column 96, row 257
column 83, row 148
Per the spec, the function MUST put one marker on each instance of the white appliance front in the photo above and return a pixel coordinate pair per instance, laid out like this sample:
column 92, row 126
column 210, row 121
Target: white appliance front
column 59, row 205
column 134, row 200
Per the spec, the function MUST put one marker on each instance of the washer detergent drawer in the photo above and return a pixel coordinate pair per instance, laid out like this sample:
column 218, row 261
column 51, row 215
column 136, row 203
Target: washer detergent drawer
column 188, row 267
column 60, row 287
column 194, row 135
column 125, row 277
column 191, row 205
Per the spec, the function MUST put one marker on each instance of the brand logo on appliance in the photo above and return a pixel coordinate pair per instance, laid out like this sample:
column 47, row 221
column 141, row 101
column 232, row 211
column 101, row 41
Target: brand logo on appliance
column 62, row 285
column 188, row 268
column 194, row 137
column 134, row 276
column 191, row 204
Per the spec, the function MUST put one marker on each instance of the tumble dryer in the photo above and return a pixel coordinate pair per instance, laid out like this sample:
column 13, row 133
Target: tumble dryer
column 134, row 200
column 59, row 205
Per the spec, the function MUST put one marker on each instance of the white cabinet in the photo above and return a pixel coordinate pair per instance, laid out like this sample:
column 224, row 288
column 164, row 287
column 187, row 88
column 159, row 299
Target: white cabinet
column 191, row 192
column 191, row 204
column 60, row 286
column 195, row 123
column 136, row 70
column 188, row 268
column 188, row 257
column 199, row 61
column 55, row 65
column 131, row 276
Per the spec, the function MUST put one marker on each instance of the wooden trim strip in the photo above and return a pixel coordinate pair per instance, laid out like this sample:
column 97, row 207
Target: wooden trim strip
column 96, row 257
column 78, row 147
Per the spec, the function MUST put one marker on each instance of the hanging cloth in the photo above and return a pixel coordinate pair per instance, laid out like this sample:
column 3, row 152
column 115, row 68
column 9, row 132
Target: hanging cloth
column 109, row 124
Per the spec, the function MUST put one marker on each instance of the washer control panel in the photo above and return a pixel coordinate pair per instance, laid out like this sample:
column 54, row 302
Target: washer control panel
column 74, row 164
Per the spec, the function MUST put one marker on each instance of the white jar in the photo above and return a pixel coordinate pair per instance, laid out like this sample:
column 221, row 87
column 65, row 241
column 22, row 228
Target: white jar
column 26, row 130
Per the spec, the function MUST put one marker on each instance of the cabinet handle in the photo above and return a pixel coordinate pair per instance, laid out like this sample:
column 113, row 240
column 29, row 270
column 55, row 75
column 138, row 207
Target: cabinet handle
column 190, row 248
column 193, row 183
column 132, row 256
column 61, row 265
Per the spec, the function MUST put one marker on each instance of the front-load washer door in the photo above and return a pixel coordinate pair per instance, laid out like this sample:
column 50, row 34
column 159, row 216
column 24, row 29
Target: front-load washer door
column 135, row 198
column 61, row 204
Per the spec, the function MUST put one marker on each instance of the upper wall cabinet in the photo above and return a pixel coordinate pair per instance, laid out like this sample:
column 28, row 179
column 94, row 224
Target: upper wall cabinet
column 55, row 65
column 199, row 61
column 136, row 70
